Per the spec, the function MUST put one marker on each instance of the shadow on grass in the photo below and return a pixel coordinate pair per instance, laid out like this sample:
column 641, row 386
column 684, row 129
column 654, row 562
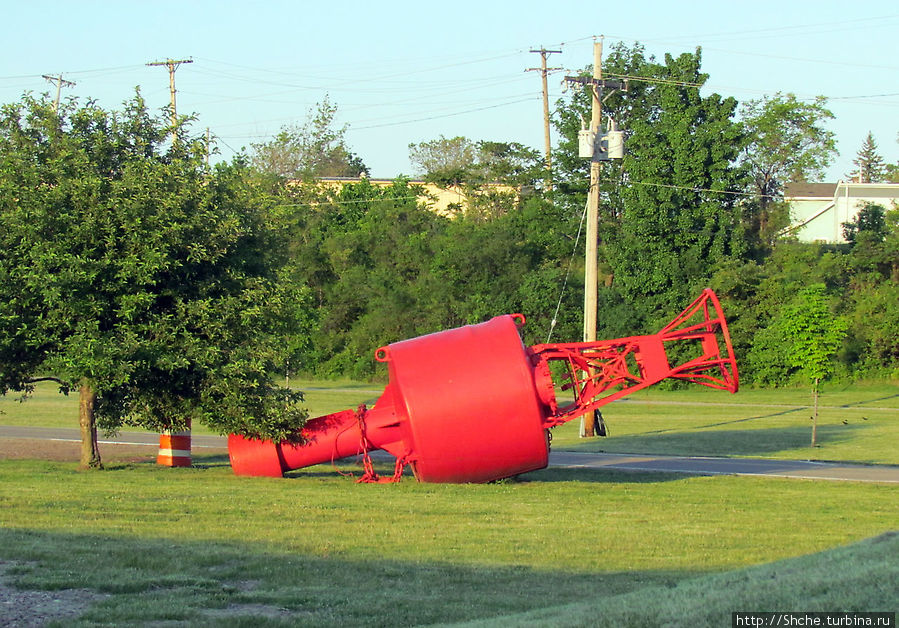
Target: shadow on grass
column 861, row 403
column 743, row 420
column 600, row 476
column 722, row 442
column 351, row 469
column 150, row 581
column 198, row 461
column 211, row 460
column 551, row 474
column 160, row 582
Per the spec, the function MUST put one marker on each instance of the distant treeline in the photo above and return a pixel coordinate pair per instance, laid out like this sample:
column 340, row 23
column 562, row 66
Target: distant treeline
column 379, row 267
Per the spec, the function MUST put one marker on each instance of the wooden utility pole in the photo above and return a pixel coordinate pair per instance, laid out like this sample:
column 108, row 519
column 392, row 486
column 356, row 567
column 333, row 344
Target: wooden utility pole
column 60, row 83
column 544, row 71
column 598, row 151
column 172, row 65
column 591, row 281
column 208, row 145
column 590, row 272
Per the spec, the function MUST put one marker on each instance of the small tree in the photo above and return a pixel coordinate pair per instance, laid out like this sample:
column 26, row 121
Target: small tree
column 315, row 149
column 871, row 220
column 446, row 161
column 813, row 335
column 869, row 165
column 787, row 141
column 130, row 274
column 461, row 161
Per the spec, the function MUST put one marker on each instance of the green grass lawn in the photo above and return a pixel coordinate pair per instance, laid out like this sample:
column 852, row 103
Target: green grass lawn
column 136, row 544
column 200, row 546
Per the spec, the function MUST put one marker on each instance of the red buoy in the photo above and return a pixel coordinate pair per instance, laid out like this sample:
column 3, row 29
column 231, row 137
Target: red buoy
column 473, row 404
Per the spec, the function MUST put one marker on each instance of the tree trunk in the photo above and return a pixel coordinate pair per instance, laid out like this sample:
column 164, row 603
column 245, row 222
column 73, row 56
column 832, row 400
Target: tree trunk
column 90, row 451
column 815, row 417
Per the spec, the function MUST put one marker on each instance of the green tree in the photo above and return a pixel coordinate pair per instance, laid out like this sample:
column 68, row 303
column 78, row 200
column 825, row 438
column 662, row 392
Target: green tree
column 511, row 163
column 870, row 221
column 383, row 268
column 874, row 244
column 668, row 212
column 365, row 251
column 789, row 268
column 315, row 149
column 130, row 274
column 869, row 165
column 786, row 141
column 892, row 170
column 461, row 161
column 445, row 161
column 813, row 335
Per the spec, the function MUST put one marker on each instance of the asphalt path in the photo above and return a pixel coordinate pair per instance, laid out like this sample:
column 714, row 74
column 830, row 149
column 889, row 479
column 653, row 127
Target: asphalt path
column 693, row 465
column 701, row 465
column 71, row 435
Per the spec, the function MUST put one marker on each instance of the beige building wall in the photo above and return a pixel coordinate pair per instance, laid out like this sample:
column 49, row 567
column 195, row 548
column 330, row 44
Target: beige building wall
column 444, row 201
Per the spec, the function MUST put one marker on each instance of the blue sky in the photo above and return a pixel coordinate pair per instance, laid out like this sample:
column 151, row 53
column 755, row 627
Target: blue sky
column 404, row 72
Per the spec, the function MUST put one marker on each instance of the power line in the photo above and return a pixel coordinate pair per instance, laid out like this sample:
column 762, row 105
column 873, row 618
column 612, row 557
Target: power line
column 860, row 97
column 791, row 30
column 660, row 81
column 697, row 189
column 388, row 124
column 447, row 115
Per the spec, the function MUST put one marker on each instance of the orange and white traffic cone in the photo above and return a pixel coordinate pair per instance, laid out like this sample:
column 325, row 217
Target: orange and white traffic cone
column 174, row 449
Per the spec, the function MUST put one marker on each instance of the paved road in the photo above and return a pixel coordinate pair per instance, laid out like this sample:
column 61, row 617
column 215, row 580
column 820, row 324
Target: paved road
column 697, row 465
column 562, row 459
column 70, row 435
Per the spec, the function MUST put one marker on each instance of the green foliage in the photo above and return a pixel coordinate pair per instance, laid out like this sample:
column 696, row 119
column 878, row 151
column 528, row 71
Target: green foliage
column 461, row 161
column 812, row 332
column 668, row 212
column 873, row 339
column 759, row 307
column 869, row 165
column 446, row 161
column 315, row 149
column 787, row 142
column 870, row 220
column 382, row 268
column 126, row 267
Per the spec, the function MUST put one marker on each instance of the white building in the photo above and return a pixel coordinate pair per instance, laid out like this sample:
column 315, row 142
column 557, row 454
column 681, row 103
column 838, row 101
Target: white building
column 818, row 210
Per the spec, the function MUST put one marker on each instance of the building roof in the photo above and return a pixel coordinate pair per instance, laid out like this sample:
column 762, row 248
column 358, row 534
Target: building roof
column 801, row 189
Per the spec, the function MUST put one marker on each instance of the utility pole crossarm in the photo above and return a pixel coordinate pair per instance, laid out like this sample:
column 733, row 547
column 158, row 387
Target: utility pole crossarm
column 172, row 65
column 595, row 82
column 60, row 83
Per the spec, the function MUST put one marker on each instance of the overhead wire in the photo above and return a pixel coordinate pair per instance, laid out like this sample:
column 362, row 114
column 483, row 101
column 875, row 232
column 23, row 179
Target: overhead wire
column 451, row 114
column 577, row 239
column 447, row 115
column 381, row 71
